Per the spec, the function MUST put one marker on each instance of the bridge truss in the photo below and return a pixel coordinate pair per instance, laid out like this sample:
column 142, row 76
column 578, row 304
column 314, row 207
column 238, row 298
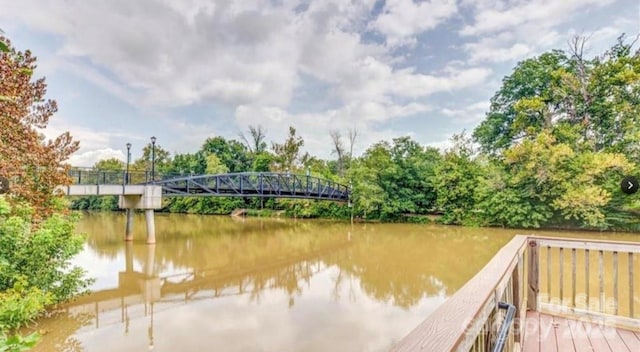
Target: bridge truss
column 245, row 184
column 255, row 184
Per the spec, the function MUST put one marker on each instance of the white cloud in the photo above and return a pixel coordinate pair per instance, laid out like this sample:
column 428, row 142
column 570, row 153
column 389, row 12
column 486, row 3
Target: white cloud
column 402, row 19
column 491, row 50
column 251, row 61
column 510, row 31
column 89, row 158
column 542, row 13
column 472, row 113
column 94, row 145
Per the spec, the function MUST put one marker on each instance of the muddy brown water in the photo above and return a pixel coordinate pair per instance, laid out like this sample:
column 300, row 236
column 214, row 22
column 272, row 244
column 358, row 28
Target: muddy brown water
column 222, row 284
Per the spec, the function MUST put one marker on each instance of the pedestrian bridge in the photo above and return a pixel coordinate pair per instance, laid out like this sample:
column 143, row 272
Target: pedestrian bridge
column 145, row 191
column 87, row 182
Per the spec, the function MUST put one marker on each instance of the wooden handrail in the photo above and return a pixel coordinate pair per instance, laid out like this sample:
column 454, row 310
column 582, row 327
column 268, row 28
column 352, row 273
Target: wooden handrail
column 598, row 245
column 461, row 323
column 600, row 271
column 456, row 324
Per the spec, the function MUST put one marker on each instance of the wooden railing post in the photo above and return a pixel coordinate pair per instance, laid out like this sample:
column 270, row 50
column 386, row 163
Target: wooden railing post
column 533, row 285
column 517, row 295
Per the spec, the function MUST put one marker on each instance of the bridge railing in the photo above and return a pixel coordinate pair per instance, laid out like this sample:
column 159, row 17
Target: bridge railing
column 115, row 177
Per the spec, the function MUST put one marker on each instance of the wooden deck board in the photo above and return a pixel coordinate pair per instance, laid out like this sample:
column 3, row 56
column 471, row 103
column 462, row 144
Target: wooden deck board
column 547, row 334
column 630, row 339
column 564, row 340
column 544, row 332
column 578, row 331
column 596, row 338
column 532, row 333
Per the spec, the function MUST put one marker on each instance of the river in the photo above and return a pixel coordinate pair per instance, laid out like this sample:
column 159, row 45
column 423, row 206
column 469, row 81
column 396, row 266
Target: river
column 223, row 284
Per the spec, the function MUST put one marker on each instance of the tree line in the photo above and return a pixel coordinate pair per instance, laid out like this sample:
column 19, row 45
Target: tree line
column 559, row 135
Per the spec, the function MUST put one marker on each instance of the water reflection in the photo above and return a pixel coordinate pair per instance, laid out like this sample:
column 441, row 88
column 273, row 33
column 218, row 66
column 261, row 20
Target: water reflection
column 214, row 283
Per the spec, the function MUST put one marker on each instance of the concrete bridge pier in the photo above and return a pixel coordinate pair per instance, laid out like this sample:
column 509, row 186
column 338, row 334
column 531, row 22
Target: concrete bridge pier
column 128, row 257
column 128, row 230
column 151, row 226
column 146, row 198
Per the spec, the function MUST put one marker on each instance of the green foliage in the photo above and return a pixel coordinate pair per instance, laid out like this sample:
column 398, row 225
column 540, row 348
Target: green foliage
column 151, row 153
column 188, row 164
column 35, row 263
column 35, row 269
column 524, row 104
column 103, row 203
column 288, row 153
column 232, row 154
column 110, row 164
column 21, row 304
column 454, row 182
column 262, row 162
column 17, row 343
column 215, row 166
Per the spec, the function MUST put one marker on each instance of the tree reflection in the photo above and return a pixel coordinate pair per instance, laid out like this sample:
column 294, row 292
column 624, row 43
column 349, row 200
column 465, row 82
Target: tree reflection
column 209, row 257
column 398, row 264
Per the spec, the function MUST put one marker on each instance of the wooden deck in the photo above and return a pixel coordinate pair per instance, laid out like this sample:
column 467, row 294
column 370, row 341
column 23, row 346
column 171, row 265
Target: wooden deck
column 548, row 333
column 541, row 279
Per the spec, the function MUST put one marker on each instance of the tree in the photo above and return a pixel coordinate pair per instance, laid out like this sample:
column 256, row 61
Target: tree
column 366, row 194
column 338, row 149
column 215, row 166
column 35, row 166
column 593, row 104
column 288, row 153
column 151, row 153
column 262, row 161
column 563, row 129
column 232, row 153
column 257, row 143
column 525, row 104
column 36, row 241
column 110, row 164
column 353, row 134
column 614, row 105
column 454, row 181
column 195, row 163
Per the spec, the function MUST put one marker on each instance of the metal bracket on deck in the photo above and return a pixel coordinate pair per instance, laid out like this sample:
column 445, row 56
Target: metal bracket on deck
column 505, row 326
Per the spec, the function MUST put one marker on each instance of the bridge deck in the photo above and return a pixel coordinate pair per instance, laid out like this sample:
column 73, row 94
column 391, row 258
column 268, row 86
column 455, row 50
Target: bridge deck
column 548, row 333
column 244, row 184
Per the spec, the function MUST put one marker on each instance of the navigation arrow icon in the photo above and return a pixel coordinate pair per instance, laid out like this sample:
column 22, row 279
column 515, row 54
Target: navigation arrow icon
column 629, row 185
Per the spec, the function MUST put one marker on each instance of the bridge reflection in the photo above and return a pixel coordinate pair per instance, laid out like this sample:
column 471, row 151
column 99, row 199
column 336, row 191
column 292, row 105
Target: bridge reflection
column 237, row 276
column 141, row 292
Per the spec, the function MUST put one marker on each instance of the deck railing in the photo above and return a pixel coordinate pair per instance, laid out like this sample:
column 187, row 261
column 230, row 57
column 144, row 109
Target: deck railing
column 470, row 319
column 588, row 279
column 535, row 273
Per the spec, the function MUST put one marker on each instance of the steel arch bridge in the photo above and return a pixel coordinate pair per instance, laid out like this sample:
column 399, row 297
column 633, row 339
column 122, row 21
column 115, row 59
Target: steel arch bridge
column 244, row 184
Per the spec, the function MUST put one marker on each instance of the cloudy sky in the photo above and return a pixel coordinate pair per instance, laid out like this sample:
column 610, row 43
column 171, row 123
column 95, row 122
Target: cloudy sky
column 124, row 70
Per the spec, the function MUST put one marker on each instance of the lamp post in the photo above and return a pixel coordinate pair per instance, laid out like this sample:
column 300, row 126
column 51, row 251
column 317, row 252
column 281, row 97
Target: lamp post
column 126, row 175
column 153, row 158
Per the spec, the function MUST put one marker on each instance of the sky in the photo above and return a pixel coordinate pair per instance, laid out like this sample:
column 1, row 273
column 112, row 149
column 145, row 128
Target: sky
column 182, row 71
